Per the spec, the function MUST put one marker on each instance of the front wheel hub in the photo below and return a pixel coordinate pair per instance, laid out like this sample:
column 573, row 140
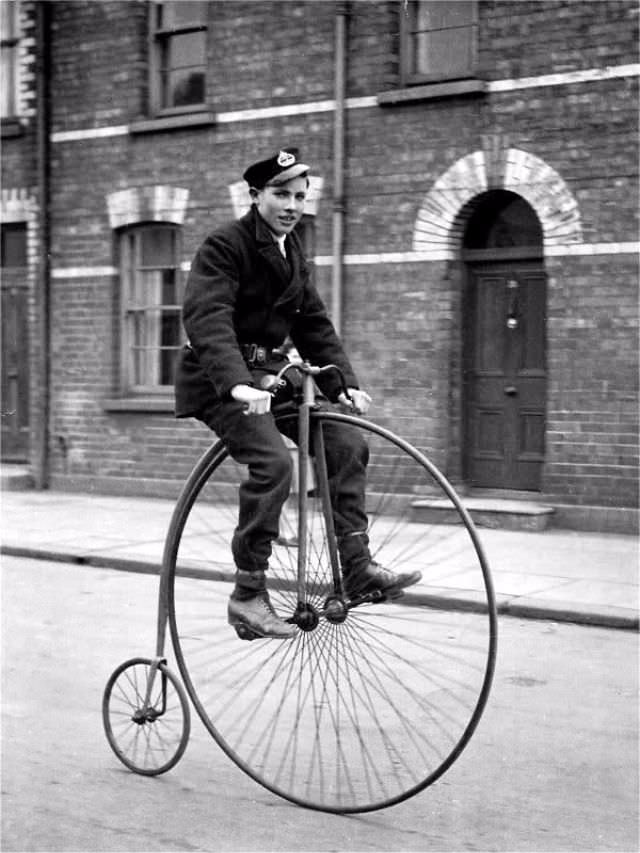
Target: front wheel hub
column 306, row 617
column 145, row 715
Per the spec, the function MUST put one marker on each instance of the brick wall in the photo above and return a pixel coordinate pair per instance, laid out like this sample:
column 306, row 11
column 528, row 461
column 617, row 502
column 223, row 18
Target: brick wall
column 522, row 39
column 592, row 419
column 402, row 319
column 98, row 73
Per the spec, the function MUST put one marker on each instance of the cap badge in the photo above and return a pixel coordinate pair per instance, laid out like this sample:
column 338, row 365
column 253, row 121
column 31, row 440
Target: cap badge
column 285, row 159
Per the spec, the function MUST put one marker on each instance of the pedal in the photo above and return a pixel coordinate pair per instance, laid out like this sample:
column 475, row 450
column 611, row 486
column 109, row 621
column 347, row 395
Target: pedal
column 376, row 597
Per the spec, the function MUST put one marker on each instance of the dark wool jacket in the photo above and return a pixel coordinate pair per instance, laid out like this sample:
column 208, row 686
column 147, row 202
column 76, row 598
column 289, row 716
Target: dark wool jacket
column 241, row 291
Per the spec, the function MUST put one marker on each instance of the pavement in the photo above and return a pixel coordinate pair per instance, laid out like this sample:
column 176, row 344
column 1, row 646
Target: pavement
column 560, row 575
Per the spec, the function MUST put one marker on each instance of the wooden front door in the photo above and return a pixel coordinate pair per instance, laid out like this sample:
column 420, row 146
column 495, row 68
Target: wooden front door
column 15, row 368
column 505, row 375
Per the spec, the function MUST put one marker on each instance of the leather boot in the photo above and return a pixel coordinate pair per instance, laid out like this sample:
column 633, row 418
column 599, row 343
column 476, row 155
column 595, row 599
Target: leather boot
column 362, row 575
column 250, row 610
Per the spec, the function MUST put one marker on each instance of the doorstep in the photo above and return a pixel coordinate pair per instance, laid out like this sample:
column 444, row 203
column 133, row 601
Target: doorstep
column 486, row 512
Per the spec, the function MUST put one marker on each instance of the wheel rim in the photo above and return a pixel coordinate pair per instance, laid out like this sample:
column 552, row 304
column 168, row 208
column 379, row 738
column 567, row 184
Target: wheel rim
column 355, row 714
column 148, row 737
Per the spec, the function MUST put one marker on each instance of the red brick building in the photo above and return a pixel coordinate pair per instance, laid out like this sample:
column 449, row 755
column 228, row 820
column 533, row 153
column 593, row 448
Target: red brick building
column 473, row 225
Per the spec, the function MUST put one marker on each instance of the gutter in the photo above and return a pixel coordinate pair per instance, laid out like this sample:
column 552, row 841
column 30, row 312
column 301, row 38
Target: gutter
column 342, row 12
column 42, row 296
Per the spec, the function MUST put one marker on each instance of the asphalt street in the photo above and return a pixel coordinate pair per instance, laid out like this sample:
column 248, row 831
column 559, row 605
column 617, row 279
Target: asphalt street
column 553, row 765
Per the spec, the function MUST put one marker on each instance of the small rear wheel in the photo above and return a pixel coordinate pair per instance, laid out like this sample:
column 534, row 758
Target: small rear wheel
column 147, row 725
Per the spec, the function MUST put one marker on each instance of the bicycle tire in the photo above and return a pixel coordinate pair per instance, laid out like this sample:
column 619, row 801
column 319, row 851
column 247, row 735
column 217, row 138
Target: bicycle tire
column 150, row 740
column 349, row 717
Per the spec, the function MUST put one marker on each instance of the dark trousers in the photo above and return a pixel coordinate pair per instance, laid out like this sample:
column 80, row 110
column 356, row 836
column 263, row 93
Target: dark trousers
column 255, row 441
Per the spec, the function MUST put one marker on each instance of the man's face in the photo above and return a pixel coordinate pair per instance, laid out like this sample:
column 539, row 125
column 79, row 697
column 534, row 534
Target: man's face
column 282, row 206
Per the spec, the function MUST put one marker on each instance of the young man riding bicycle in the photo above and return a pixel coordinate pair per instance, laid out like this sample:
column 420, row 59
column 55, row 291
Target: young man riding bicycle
column 248, row 291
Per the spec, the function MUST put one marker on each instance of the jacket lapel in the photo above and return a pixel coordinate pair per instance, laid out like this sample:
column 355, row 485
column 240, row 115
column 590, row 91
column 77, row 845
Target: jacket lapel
column 268, row 248
column 291, row 293
column 289, row 274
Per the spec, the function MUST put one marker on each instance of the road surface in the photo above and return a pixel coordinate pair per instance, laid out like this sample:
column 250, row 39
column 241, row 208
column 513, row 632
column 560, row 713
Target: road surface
column 552, row 767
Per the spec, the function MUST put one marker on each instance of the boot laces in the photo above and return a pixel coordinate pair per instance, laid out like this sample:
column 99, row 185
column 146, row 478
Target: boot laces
column 266, row 605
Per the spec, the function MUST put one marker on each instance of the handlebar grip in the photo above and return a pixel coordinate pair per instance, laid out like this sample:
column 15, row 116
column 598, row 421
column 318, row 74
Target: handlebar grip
column 271, row 383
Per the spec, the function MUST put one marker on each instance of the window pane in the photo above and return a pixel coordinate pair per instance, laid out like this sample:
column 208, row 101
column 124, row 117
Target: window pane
column 170, row 295
column 186, row 50
column 155, row 288
column 168, row 367
column 182, row 13
column 441, row 38
column 446, row 52
column 183, row 70
column 148, row 288
column 170, row 328
column 185, row 87
column 145, row 347
column 152, row 292
column 171, row 340
column 180, row 55
column 136, row 348
column 158, row 247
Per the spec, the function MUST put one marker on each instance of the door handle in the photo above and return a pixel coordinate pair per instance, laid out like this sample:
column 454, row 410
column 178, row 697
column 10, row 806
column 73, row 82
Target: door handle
column 511, row 391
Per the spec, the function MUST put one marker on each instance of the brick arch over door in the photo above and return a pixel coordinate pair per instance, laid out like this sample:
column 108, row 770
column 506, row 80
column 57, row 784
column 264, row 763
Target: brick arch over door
column 442, row 218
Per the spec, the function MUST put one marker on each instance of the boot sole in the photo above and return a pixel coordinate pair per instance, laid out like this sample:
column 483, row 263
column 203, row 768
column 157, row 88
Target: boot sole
column 248, row 632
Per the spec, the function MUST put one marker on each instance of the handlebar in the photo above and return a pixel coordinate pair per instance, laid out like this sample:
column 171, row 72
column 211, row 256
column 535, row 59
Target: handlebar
column 311, row 370
column 305, row 369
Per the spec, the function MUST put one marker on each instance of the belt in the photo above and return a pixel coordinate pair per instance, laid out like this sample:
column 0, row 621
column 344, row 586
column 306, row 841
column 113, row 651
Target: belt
column 255, row 354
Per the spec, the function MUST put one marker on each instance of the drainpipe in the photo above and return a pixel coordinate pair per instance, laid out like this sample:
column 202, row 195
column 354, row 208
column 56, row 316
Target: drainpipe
column 41, row 474
column 342, row 12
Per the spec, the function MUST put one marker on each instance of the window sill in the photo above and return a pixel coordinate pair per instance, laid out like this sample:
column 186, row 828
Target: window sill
column 164, row 405
column 431, row 91
column 10, row 127
column 173, row 122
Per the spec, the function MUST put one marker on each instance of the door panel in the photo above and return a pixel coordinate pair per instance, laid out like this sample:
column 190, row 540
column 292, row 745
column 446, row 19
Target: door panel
column 505, row 376
column 15, row 370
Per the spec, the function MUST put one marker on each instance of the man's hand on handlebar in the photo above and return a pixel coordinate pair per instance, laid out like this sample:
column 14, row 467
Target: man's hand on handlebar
column 357, row 400
column 257, row 402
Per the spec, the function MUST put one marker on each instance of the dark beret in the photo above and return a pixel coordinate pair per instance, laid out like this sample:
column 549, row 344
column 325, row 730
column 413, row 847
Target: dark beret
column 278, row 169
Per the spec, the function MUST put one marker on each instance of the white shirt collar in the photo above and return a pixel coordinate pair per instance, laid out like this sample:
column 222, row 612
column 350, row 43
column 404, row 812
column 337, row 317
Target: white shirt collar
column 280, row 241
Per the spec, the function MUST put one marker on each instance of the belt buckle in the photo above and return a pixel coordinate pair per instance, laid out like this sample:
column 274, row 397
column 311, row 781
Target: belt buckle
column 256, row 354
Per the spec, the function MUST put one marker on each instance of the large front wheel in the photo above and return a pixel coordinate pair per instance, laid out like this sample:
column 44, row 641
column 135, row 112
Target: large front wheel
column 370, row 704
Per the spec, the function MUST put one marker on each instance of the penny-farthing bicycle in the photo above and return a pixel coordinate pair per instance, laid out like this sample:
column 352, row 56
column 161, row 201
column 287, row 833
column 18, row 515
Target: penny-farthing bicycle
column 371, row 701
